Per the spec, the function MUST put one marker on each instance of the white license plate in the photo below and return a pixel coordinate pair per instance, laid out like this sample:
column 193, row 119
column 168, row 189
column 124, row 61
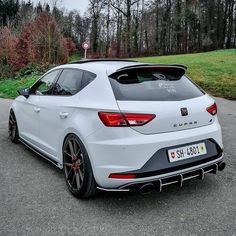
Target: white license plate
column 186, row 152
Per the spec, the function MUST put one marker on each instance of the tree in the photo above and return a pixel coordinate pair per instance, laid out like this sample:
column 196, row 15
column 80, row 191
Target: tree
column 39, row 8
column 47, row 8
column 122, row 28
column 127, row 12
column 95, row 9
column 178, row 20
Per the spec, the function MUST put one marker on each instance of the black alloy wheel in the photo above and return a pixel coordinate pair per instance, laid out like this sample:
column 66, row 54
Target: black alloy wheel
column 13, row 128
column 77, row 168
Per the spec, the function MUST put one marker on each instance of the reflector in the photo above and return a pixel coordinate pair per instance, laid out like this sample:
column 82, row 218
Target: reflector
column 122, row 176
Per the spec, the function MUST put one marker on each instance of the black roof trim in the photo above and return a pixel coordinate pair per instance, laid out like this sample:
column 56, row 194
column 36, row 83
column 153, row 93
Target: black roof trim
column 100, row 60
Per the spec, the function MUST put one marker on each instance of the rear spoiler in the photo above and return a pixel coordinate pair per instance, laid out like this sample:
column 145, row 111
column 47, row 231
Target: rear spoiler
column 174, row 69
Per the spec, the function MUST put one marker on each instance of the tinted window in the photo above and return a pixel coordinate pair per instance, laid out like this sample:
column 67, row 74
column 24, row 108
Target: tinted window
column 69, row 82
column 88, row 78
column 146, row 85
column 45, row 85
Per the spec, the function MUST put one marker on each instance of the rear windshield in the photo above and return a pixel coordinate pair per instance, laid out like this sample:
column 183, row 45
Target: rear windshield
column 150, row 85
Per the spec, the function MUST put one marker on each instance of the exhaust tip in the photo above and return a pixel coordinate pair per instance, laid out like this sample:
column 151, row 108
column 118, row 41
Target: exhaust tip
column 147, row 188
column 221, row 166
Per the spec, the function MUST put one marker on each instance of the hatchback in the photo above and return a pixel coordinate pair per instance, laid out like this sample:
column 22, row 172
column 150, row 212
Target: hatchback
column 119, row 125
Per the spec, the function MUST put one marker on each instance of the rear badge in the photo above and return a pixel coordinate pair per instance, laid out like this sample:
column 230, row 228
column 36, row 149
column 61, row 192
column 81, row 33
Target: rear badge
column 184, row 111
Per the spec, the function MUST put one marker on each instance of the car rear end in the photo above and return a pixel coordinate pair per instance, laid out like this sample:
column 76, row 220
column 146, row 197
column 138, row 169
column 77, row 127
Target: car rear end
column 165, row 130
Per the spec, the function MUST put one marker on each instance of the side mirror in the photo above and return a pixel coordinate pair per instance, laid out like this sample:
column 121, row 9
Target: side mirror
column 24, row 92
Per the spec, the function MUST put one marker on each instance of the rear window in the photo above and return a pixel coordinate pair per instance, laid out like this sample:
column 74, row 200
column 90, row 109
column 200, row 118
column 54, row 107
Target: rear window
column 152, row 85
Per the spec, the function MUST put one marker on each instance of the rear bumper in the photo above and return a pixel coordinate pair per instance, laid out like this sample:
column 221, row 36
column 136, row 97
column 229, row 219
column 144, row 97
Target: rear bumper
column 178, row 177
column 159, row 163
column 121, row 150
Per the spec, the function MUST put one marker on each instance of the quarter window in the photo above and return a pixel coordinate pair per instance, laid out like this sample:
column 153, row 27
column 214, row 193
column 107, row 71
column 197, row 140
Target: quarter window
column 87, row 79
column 69, row 82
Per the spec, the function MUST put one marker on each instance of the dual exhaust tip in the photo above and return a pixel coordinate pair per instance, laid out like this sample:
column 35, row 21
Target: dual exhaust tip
column 150, row 187
column 147, row 188
column 221, row 166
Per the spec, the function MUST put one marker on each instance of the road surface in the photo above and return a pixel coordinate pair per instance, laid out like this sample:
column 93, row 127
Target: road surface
column 34, row 199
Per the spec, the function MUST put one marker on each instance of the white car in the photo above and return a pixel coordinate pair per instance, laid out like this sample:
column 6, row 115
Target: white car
column 119, row 125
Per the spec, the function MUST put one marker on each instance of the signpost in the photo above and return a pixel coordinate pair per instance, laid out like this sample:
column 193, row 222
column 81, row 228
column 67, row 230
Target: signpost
column 85, row 46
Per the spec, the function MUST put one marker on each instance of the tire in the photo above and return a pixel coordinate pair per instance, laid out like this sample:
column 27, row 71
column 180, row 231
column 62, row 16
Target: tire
column 77, row 168
column 13, row 128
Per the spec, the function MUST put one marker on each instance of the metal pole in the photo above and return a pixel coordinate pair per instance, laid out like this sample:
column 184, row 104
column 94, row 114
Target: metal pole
column 85, row 53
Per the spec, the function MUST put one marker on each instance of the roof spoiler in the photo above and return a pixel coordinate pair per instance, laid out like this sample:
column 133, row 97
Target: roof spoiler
column 175, row 70
column 156, row 66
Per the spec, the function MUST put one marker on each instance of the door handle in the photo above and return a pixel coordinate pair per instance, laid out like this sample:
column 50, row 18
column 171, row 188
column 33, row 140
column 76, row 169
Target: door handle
column 63, row 115
column 37, row 109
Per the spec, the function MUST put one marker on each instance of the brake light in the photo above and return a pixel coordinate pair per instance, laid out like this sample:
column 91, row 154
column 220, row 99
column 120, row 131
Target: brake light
column 122, row 176
column 212, row 109
column 113, row 119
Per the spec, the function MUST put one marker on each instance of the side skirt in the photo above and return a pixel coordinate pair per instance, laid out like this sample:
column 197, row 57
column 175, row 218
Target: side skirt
column 57, row 164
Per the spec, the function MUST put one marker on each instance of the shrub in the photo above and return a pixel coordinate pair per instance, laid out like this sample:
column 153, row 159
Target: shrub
column 6, row 71
column 28, row 70
column 39, row 42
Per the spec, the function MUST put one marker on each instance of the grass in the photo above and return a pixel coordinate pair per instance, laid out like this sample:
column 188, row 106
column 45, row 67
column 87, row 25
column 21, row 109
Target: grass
column 214, row 71
column 9, row 87
column 75, row 57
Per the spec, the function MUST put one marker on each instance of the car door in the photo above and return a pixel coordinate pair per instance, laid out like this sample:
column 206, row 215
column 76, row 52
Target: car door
column 56, row 110
column 29, row 110
column 27, row 119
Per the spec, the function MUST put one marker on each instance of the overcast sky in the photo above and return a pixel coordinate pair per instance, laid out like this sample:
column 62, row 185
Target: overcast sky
column 80, row 5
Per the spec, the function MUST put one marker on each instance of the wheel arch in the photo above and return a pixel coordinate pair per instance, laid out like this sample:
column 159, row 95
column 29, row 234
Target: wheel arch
column 14, row 109
column 75, row 132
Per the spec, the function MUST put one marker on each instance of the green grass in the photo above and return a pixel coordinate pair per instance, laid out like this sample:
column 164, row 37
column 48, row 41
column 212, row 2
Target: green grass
column 8, row 88
column 214, row 71
column 75, row 57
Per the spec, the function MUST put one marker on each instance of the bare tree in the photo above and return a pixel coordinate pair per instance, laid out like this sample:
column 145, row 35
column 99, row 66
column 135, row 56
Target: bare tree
column 126, row 10
column 95, row 7
column 135, row 27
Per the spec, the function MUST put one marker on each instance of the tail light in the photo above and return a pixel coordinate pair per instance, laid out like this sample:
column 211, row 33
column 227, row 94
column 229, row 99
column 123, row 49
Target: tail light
column 124, row 119
column 212, row 109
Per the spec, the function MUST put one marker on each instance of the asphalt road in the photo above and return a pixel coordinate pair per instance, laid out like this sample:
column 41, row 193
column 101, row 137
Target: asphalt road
column 34, row 199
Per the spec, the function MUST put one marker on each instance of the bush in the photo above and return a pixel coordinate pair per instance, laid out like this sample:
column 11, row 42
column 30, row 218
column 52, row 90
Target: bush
column 6, row 71
column 38, row 44
column 29, row 70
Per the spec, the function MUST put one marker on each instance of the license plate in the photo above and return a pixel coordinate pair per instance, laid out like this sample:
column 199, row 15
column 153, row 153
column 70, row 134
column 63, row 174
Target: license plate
column 186, row 152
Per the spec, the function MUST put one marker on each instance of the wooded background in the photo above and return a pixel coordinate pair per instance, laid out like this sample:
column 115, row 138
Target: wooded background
column 49, row 34
column 139, row 27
